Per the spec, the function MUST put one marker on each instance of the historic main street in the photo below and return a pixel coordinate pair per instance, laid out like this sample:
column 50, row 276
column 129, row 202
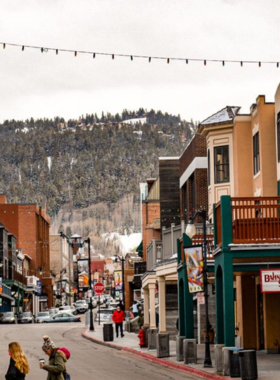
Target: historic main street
column 88, row 360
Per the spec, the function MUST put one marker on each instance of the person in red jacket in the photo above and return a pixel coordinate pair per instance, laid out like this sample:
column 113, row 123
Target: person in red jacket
column 118, row 317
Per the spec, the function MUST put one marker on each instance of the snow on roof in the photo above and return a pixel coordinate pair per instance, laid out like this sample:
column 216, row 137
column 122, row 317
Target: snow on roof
column 126, row 242
column 222, row 116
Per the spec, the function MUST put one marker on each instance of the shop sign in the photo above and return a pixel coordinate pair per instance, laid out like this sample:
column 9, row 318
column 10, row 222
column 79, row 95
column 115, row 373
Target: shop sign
column 270, row 280
column 39, row 287
column 200, row 299
column 31, row 281
column 1, row 286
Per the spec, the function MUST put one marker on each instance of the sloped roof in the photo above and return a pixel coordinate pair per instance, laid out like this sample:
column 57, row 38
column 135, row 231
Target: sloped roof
column 224, row 115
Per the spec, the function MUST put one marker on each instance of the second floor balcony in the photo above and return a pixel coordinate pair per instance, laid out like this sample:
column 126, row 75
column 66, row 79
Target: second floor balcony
column 252, row 220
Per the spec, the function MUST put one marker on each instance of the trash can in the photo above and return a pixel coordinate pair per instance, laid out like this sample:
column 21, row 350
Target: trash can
column 234, row 366
column 248, row 364
column 108, row 334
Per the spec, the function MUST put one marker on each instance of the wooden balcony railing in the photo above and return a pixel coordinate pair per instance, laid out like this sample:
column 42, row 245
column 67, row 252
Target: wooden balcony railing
column 254, row 220
column 199, row 240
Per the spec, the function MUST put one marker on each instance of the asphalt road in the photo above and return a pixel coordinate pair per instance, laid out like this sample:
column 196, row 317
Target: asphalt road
column 88, row 360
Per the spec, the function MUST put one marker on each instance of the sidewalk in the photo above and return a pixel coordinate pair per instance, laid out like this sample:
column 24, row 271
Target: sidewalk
column 268, row 365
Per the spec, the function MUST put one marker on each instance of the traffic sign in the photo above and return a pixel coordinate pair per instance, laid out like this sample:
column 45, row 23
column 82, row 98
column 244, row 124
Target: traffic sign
column 98, row 288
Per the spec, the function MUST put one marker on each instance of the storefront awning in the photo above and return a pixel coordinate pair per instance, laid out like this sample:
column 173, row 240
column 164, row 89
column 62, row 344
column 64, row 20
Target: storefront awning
column 139, row 249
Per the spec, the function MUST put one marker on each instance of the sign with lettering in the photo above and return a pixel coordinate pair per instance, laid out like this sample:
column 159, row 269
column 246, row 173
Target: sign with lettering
column 270, row 280
column 98, row 288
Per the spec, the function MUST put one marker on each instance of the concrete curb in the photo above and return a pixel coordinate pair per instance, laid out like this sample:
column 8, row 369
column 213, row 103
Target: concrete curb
column 166, row 363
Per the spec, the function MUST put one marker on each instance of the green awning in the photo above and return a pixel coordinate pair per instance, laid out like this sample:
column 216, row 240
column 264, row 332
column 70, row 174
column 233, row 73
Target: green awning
column 139, row 249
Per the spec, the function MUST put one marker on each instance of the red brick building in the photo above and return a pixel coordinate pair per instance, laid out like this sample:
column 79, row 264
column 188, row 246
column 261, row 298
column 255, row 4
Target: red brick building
column 30, row 224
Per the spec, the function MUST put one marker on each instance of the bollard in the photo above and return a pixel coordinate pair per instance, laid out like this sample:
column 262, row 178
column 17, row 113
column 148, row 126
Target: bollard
column 190, row 351
column 219, row 357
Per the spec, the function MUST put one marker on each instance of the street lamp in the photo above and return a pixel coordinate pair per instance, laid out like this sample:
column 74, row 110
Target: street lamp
column 118, row 258
column 191, row 231
column 91, row 327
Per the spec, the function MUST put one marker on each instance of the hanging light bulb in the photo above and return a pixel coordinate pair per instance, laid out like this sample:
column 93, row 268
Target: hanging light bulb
column 223, row 63
column 150, row 59
column 42, row 50
column 241, row 63
column 4, row 46
column 205, row 62
column 22, row 48
column 260, row 64
column 277, row 64
column 75, row 54
column 56, row 51
column 131, row 58
column 187, row 61
column 93, row 55
column 113, row 56
column 168, row 60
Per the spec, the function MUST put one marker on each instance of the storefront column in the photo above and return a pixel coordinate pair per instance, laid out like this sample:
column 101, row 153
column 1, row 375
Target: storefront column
column 146, row 306
column 152, row 291
column 162, row 304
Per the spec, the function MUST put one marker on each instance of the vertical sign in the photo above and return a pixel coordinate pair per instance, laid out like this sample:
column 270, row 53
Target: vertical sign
column 1, row 289
column 118, row 280
column 194, row 264
column 39, row 287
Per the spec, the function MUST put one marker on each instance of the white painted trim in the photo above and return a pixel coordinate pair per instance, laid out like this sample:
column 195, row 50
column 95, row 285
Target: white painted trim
column 197, row 163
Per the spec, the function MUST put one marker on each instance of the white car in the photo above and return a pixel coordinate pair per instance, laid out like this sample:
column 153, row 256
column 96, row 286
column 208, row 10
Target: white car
column 67, row 308
column 81, row 306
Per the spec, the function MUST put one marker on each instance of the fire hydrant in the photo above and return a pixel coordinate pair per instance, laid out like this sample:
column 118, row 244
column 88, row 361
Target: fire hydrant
column 141, row 337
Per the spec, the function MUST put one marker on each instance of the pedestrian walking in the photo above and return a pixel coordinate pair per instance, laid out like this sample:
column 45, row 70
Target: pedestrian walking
column 118, row 317
column 19, row 365
column 57, row 359
column 135, row 309
column 140, row 321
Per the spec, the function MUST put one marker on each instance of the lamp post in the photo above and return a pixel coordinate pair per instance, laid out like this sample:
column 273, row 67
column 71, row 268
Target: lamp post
column 91, row 327
column 191, row 231
column 118, row 258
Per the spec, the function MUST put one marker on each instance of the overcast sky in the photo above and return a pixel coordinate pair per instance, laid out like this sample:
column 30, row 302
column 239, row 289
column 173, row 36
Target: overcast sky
column 35, row 84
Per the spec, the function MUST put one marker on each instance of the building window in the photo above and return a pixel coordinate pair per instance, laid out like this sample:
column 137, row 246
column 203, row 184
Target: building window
column 221, row 157
column 256, row 150
column 278, row 136
column 208, row 169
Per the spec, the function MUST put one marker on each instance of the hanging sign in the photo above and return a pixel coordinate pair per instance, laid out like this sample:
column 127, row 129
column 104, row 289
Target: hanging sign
column 194, row 264
column 270, row 280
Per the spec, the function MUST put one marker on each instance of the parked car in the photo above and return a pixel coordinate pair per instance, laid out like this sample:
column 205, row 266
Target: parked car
column 67, row 308
column 26, row 317
column 63, row 317
column 8, row 317
column 53, row 310
column 105, row 315
column 42, row 316
column 81, row 306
